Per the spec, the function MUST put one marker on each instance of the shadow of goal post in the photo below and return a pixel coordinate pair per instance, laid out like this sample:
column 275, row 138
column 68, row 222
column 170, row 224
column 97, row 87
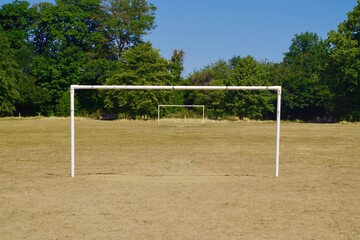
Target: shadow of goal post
column 134, row 87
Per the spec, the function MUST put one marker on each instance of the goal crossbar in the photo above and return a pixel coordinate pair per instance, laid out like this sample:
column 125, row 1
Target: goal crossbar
column 137, row 87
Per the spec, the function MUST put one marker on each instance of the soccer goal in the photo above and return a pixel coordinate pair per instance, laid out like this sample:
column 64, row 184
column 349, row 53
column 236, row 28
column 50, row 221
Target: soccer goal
column 186, row 106
column 204, row 88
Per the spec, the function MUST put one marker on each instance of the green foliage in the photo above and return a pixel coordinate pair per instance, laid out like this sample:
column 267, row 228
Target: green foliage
column 31, row 97
column 236, row 72
column 8, row 94
column 126, row 22
column 77, row 42
column 62, row 107
column 305, row 93
column 249, row 104
column 61, row 38
column 215, row 74
column 9, row 73
column 176, row 64
column 15, row 20
column 140, row 65
column 343, row 67
column 49, row 46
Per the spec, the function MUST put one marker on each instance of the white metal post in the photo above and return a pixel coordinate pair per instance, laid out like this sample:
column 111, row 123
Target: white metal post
column 158, row 115
column 72, row 134
column 203, row 115
column 278, row 118
column 128, row 87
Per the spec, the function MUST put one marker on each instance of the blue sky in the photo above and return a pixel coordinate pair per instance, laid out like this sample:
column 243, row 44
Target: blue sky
column 209, row 30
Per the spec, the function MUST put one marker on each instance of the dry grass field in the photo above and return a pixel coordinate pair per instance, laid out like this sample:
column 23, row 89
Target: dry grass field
column 181, row 180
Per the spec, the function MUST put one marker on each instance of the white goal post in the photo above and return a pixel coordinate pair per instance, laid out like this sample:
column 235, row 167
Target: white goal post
column 133, row 87
column 179, row 105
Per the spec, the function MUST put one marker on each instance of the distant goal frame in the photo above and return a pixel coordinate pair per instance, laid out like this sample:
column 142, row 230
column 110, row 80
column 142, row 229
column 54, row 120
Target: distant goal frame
column 204, row 88
column 181, row 105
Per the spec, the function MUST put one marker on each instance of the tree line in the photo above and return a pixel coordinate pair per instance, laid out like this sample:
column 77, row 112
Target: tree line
column 44, row 48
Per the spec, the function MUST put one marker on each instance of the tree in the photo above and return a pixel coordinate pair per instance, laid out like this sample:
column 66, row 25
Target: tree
column 67, row 24
column 177, row 64
column 238, row 71
column 126, row 22
column 79, row 42
column 140, row 65
column 9, row 73
column 250, row 104
column 306, row 96
column 15, row 20
column 343, row 67
column 215, row 74
column 68, row 42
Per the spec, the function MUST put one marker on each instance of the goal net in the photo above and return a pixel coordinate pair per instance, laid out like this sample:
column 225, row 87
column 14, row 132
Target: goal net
column 204, row 88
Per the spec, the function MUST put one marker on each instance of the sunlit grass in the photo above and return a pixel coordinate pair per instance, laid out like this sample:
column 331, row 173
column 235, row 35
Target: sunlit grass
column 137, row 180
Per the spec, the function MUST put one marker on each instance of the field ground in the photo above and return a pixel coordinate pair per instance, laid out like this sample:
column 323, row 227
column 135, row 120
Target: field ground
column 135, row 180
